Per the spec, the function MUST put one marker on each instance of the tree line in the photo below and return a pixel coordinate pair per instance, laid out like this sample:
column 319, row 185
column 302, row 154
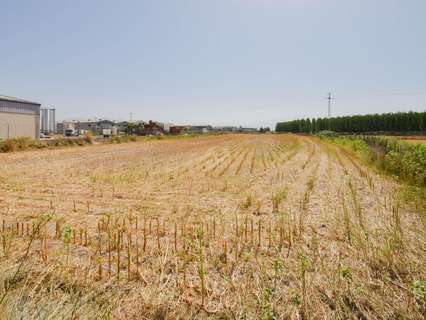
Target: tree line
column 386, row 122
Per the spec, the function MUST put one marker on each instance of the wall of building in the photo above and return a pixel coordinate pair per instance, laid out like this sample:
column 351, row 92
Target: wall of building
column 19, row 125
column 94, row 126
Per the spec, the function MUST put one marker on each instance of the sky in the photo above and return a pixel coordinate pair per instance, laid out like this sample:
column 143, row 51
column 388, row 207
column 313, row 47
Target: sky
column 219, row 62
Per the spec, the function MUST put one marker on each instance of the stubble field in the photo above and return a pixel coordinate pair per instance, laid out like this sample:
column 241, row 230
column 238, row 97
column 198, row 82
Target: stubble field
column 221, row 227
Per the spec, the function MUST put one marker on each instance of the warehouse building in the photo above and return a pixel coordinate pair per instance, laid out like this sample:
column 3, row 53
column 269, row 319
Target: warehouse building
column 19, row 118
column 95, row 126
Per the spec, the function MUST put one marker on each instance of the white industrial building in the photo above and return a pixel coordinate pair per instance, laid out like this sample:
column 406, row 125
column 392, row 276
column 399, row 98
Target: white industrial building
column 19, row 118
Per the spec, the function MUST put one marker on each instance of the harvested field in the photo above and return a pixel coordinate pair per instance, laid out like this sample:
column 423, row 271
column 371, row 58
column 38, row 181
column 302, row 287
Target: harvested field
column 416, row 140
column 221, row 227
column 411, row 139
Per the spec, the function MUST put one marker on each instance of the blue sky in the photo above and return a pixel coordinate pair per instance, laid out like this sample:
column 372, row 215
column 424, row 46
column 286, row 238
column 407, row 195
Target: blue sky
column 223, row 62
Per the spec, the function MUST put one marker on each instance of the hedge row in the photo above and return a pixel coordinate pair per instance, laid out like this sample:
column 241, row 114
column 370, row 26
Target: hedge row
column 386, row 122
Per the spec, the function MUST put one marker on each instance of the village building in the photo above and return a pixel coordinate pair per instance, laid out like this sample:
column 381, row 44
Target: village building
column 153, row 129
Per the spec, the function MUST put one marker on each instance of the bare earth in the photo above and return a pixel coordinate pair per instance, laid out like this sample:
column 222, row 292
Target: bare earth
column 222, row 227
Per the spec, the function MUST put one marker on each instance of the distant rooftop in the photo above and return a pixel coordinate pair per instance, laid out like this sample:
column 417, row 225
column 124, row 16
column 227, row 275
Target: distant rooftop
column 13, row 99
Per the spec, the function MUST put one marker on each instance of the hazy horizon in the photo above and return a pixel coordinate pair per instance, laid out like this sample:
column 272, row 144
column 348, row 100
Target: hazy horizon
column 222, row 62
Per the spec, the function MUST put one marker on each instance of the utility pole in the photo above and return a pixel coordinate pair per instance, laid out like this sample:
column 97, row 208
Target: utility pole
column 329, row 98
column 130, row 126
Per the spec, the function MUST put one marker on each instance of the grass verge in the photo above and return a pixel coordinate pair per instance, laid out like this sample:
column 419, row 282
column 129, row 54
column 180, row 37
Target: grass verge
column 403, row 161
